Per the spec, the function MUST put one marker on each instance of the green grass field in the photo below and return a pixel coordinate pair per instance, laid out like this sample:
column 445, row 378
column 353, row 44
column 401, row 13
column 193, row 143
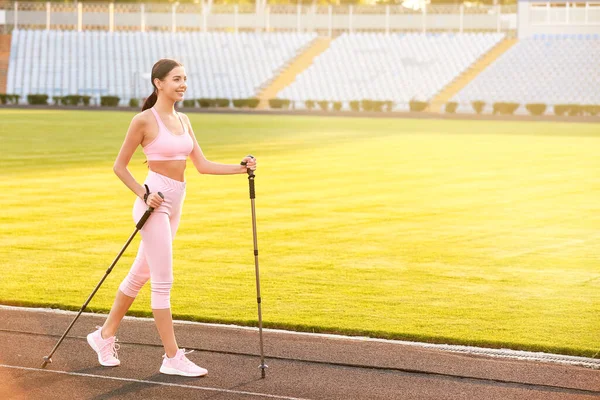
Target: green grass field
column 468, row 232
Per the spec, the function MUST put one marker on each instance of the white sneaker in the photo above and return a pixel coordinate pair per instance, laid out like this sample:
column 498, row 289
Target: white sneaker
column 106, row 348
column 180, row 365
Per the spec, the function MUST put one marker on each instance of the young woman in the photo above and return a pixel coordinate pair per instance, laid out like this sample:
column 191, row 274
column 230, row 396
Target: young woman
column 167, row 139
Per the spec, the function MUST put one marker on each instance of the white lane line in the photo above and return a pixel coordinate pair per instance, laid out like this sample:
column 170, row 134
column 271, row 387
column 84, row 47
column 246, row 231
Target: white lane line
column 472, row 350
column 208, row 389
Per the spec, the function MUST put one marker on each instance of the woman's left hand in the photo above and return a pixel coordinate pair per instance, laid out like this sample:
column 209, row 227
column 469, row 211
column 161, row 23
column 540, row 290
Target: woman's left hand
column 250, row 163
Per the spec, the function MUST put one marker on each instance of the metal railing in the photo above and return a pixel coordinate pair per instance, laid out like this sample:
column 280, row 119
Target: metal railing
column 332, row 19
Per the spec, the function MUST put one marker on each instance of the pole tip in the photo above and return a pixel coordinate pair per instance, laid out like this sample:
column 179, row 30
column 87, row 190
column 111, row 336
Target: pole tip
column 47, row 360
column 263, row 368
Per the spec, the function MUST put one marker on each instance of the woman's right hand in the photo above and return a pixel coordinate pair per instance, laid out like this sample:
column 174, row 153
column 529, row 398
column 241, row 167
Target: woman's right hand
column 154, row 200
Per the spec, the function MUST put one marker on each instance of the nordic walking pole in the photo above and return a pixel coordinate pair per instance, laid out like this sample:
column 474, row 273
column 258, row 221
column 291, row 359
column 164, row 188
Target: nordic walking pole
column 138, row 226
column 262, row 365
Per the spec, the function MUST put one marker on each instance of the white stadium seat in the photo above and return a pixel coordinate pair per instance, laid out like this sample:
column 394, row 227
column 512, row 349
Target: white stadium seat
column 96, row 63
column 397, row 67
column 551, row 69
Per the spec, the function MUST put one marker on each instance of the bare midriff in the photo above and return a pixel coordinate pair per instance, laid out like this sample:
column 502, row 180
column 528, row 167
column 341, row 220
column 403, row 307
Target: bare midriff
column 173, row 169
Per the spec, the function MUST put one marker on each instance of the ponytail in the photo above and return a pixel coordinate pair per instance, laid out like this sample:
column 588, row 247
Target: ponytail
column 150, row 101
column 159, row 71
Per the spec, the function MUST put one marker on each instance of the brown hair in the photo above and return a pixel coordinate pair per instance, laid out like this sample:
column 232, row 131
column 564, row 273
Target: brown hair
column 160, row 70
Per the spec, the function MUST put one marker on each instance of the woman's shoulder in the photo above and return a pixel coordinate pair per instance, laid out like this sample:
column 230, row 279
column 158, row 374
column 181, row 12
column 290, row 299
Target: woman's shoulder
column 143, row 117
column 185, row 119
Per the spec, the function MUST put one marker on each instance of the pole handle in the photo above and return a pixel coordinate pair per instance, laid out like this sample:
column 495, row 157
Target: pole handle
column 250, row 178
column 248, row 170
column 146, row 215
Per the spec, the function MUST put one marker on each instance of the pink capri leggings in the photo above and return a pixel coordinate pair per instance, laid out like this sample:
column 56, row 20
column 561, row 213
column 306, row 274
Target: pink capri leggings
column 154, row 259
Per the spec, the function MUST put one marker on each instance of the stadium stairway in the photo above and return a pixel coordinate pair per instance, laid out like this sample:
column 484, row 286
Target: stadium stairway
column 296, row 66
column 4, row 57
column 435, row 105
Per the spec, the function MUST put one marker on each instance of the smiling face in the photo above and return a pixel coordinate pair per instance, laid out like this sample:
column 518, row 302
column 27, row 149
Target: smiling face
column 174, row 85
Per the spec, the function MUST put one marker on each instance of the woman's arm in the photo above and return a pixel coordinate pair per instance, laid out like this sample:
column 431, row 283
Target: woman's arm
column 134, row 137
column 205, row 166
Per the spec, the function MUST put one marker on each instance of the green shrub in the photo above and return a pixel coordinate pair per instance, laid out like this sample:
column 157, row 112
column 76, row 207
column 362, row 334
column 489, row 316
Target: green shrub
column 337, row 105
column 568, row 109
column 451, row 107
column 310, row 104
column 222, row 102
column 591, row 109
column 109, row 101
column 324, row 104
column 478, row 106
column 389, row 105
column 134, row 103
column 57, row 100
column 536, row 108
column 72, row 100
column 86, row 100
column 366, row 105
column 355, row 105
column 239, row 103
column 560, row 109
column 505, row 108
column 205, row 103
column 37, row 99
column 416, row 105
column 251, row 102
column 511, row 108
column 189, row 103
column 3, row 98
column 575, row 110
column 378, row 105
column 498, row 108
column 279, row 103
column 13, row 98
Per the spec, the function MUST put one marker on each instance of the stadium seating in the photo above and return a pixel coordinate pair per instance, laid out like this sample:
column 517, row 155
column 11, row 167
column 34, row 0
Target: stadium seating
column 96, row 63
column 551, row 69
column 396, row 67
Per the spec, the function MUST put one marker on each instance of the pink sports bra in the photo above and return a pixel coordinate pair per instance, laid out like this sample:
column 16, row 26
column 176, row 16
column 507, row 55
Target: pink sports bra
column 167, row 145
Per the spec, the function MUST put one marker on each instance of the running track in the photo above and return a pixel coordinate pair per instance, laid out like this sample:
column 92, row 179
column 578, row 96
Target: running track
column 301, row 366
